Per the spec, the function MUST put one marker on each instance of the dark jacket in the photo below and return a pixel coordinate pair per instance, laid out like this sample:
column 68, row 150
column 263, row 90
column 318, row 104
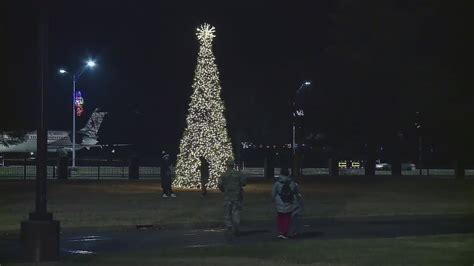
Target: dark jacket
column 204, row 169
column 165, row 170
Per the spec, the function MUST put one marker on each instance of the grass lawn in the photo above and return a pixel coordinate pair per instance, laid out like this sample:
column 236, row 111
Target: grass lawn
column 102, row 204
column 107, row 204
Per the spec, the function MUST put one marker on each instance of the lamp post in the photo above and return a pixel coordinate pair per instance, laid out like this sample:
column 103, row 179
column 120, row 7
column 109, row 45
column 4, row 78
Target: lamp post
column 39, row 235
column 75, row 78
column 297, row 113
column 419, row 128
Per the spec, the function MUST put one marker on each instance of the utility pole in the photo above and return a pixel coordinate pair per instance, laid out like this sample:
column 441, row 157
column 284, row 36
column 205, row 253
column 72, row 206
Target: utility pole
column 297, row 113
column 419, row 129
column 40, row 233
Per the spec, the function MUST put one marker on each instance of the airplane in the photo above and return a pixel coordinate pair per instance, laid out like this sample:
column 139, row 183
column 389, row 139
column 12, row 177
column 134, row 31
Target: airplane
column 58, row 141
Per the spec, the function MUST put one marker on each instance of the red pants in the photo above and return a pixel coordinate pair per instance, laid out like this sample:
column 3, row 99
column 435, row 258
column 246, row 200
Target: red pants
column 283, row 222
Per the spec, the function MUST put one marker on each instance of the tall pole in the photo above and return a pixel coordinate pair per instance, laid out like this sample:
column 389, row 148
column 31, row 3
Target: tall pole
column 294, row 140
column 73, row 121
column 296, row 167
column 40, row 233
column 75, row 77
column 419, row 127
column 41, row 156
column 420, row 154
column 295, row 170
column 293, row 144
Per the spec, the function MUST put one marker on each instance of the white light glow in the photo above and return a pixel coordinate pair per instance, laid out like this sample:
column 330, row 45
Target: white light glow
column 62, row 71
column 90, row 63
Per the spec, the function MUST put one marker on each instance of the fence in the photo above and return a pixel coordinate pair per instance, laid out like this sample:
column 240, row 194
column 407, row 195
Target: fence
column 153, row 172
column 258, row 172
column 94, row 168
column 86, row 169
column 83, row 172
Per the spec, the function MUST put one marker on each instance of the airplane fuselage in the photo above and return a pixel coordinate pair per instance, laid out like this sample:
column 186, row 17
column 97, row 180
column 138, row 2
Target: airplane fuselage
column 57, row 140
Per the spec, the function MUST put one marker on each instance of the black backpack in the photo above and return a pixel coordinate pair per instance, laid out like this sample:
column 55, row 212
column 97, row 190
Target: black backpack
column 286, row 194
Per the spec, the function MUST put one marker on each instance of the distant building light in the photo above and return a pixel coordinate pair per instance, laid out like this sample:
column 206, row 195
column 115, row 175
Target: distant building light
column 342, row 164
column 355, row 164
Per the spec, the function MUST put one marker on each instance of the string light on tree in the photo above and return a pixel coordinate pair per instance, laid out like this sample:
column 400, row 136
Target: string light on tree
column 205, row 134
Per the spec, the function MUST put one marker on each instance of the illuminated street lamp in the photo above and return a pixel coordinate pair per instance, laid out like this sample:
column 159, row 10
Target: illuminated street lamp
column 89, row 64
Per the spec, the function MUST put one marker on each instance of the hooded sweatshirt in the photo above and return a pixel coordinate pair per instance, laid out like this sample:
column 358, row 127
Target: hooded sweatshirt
column 281, row 206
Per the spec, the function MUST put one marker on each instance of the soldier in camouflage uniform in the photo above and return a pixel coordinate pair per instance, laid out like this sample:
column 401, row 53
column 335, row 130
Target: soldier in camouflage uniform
column 231, row 184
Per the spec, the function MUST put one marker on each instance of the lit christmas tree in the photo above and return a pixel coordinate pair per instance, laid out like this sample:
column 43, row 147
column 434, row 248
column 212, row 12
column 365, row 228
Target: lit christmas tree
column 205, row 134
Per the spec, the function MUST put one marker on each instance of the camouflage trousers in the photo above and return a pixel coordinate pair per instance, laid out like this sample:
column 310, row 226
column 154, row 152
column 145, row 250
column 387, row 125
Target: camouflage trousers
column 232, row 210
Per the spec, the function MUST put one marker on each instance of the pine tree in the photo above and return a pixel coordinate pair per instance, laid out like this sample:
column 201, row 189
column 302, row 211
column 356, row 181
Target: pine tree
column 205, row 134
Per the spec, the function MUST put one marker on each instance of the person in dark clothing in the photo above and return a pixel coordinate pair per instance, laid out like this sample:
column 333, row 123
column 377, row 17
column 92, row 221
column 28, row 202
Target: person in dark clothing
column 165, row 173
column 204, row 175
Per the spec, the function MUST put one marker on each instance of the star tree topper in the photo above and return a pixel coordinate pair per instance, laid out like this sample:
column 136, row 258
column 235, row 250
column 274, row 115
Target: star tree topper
column 205, row 33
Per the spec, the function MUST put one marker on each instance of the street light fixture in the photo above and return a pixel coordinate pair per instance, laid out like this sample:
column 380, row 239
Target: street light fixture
column 89, row 64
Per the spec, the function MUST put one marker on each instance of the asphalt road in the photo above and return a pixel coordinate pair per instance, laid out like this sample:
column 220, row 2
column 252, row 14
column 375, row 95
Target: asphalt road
column 83, row 242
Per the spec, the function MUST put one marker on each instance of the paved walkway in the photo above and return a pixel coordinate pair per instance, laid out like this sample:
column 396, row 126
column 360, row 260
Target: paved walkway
column 81, row 242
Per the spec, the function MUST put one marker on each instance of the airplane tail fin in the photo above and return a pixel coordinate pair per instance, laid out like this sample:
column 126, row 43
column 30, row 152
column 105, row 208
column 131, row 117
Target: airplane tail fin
column 92, row 127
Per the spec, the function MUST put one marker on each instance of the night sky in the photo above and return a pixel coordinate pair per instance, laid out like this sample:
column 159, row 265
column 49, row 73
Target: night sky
column 372, row 65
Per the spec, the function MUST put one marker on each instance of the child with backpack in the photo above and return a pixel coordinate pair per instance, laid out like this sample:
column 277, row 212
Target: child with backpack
column 284, row 194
